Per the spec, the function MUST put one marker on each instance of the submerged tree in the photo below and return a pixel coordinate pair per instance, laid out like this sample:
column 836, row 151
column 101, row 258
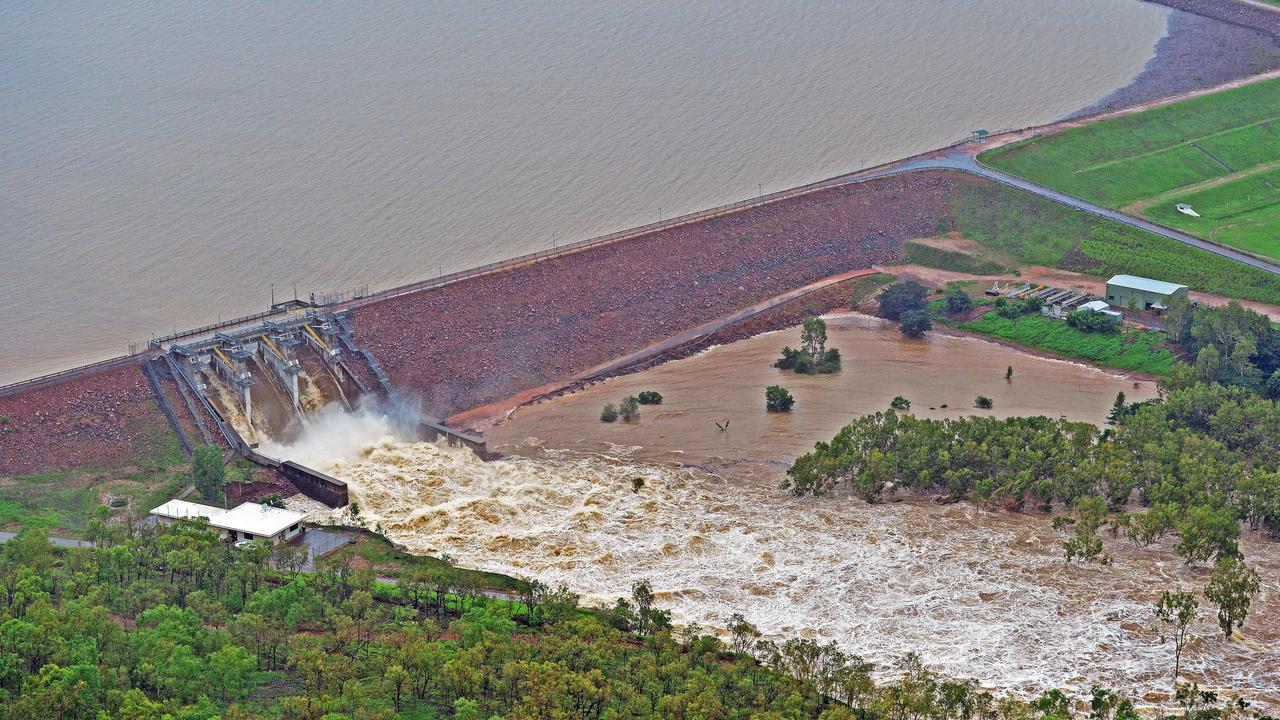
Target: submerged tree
column 609, row 413
column 629, row 409
column 813, row 336
column 1231, row 588
column 778, row 399
column 1176, row 611
column 813, row 357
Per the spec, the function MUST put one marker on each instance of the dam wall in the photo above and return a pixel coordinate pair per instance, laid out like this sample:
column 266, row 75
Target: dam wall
column 495, row 333
column 472, row 342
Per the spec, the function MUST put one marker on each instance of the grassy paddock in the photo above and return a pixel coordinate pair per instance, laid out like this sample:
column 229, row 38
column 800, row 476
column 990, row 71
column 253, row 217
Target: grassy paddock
column 1149, row 157
column 1140, row 350
column 1136, row 156
column 1033, row 231
column 63, row 502
column 1244, row 213
column 928, row 256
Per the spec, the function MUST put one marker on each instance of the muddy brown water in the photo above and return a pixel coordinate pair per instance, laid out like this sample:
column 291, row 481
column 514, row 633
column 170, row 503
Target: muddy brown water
column 978, row 593
column 725, row 385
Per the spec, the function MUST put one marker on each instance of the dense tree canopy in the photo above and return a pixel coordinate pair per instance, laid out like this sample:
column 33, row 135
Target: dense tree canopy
column 1203, row 460
column 173, row 623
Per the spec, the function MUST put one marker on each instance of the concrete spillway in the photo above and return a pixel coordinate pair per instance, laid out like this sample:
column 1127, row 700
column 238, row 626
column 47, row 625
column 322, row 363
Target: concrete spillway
column 264, row 380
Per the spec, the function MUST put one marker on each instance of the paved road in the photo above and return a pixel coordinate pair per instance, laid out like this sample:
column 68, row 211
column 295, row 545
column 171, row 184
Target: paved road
column 964, row 161
column 55, row 541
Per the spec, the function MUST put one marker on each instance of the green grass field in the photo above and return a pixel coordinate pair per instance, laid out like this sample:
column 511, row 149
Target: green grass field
column 921, row 254
column 1028, row 230
column 63, row 502
column 1244, row 213
column 1148, row 157
column 1140, row 350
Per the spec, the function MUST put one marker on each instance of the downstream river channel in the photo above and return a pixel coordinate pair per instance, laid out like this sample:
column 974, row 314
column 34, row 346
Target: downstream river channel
column 978, row 593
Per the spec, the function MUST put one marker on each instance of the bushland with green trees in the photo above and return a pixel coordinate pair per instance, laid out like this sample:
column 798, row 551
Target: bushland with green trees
column 170, row 622
column 813, row 357
column 1202, row 461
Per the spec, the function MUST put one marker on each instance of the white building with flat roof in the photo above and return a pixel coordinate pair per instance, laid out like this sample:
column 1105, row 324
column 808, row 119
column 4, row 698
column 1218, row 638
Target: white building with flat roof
column 250, row 521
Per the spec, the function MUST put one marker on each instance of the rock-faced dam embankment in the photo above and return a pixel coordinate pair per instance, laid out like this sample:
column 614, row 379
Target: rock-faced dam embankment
column 479, row 340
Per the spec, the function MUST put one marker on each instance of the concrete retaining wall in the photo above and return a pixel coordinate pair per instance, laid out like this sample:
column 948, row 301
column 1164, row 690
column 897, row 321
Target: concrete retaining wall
column 316, row 485
column 433, row 432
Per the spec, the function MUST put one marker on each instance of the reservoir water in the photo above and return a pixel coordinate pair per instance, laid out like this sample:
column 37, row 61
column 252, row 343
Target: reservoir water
column 166, row 164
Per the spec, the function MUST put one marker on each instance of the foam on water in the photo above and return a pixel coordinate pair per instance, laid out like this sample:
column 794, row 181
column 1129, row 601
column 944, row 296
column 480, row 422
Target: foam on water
column 978, row 594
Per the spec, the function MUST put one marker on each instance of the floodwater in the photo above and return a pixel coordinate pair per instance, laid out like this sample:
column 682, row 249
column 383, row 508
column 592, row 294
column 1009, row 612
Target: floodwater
column 166, row 164
column 724, row 386
column 983, row 594
column 976, row 593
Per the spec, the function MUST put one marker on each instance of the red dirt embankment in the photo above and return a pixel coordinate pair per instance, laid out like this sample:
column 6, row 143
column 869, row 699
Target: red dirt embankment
column 483, row 339
column 105, row 419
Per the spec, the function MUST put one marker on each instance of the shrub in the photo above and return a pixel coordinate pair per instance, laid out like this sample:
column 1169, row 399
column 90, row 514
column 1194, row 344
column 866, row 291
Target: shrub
column 1092, row 321
column 789, row 358
column 984, row 402
column 1012, row 308
column 801, row 361
column 778, row 399
column 649, row 397
column 958, row 301
column 900, row 403
column 901, row 298
column 915, row 323
column 630, row 408
column 609, row 413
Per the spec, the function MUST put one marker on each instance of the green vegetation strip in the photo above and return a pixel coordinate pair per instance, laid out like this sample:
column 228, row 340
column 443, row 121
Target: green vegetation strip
column 1118, row 161
column 929, row 256
column 1140, row 350
column 1033, row 231
column 1146, row 157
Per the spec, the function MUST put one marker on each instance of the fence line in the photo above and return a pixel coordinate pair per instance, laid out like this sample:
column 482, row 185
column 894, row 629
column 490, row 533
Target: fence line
column 53, row 377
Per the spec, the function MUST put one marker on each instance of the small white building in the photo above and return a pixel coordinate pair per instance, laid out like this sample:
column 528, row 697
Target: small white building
column 249, row 521
column 1101, row 306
